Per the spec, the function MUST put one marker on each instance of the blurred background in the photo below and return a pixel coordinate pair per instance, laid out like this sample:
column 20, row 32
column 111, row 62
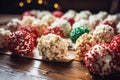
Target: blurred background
column 18, row 6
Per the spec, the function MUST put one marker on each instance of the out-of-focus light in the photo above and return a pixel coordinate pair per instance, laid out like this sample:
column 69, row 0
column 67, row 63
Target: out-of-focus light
column 56, row 6
column 21, row 4
column 40, row 1
column 28, row 1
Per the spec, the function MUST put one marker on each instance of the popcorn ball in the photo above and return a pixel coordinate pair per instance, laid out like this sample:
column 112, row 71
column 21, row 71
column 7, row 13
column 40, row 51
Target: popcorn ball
column 118, row 28
column 40, row 25
column 87, row 12
column 27, row 13
column 48, row 19
column 41, row 14
column 69, row 14
column 4, row 34
column 84, row 23
column 21, row 42
column 115, row 44
column 76, row 32
column 83, row 15
column 13, row 24
column 100, row 60
column 27, row 20
column 54, row 30
column 94, row 21
column 52, row 47
column 35, row 12
column 70, row 20
column 58, row 14
column 105, row 32
column 113, row 18
column 64, row 24
column 102, row 15
column 110, row 23
column 32, row 30
column 84, row 43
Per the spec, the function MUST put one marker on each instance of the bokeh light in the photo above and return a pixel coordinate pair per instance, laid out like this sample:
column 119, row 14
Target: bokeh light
column 40, row 1
column 21, row 4
column 56, row 6
column 28, row 1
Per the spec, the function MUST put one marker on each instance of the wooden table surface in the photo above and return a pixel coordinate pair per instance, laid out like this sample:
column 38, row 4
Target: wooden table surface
column 17, row 68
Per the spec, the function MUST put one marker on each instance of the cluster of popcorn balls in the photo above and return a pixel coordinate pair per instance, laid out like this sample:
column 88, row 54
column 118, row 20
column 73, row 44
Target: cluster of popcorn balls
column 95, row 38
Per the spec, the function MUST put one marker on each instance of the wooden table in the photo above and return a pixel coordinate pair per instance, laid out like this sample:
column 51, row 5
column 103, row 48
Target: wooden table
column 17, row 68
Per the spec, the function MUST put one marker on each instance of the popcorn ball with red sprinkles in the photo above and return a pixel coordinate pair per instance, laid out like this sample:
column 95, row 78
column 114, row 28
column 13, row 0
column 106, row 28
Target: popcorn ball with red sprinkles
column 21, row 42
column 64, row 25
column 110, row 23
column 100, row 59
column 30, row 29
column 70, row 20
column 115, row 43
column 54, row 30
column 105, row 32
column 58, row 14
column 27, row 13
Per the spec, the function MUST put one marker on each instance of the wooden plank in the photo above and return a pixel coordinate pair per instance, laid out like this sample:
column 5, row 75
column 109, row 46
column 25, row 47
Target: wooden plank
column 19, row 68
column 16, row 67
column 38, row 56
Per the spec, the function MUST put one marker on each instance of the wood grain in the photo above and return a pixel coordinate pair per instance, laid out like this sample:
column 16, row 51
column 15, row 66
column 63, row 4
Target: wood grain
column 19, row 68
column 13, row 66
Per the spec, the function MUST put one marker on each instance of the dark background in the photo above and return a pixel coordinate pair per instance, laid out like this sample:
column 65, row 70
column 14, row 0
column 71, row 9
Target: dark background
column 12, row 7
